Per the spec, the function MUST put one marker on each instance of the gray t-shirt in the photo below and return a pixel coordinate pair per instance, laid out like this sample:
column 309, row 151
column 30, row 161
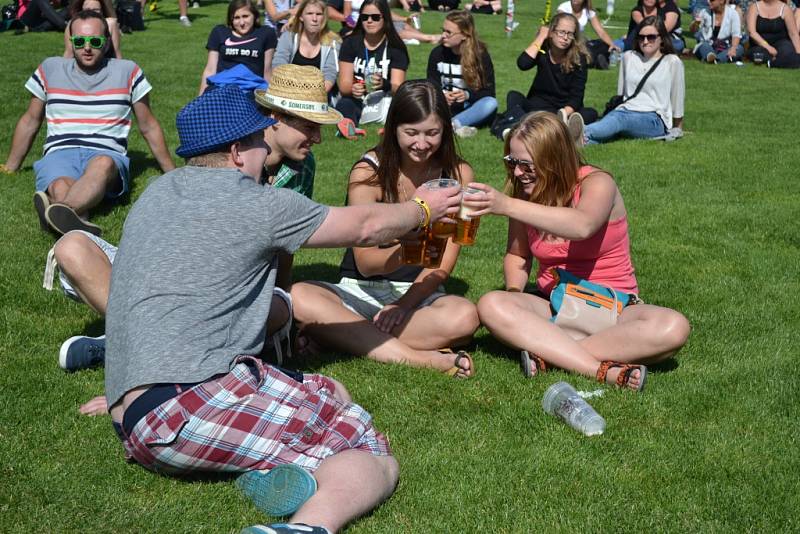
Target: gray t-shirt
column 192, row 281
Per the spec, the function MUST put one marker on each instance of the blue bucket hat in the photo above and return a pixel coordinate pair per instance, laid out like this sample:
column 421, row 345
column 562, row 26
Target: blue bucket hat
column 217, row 118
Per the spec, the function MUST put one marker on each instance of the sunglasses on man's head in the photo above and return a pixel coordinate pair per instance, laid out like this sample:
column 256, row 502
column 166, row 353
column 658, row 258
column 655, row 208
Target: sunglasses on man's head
column 647, row 37
column 374, row 17
column 95, row 41
column 527, row 168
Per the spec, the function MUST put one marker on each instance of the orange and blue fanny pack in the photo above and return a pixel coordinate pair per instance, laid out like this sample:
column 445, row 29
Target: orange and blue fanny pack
column 585, row 306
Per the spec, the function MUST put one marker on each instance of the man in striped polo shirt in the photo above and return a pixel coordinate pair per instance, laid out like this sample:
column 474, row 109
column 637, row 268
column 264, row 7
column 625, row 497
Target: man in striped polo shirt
column 87, row 102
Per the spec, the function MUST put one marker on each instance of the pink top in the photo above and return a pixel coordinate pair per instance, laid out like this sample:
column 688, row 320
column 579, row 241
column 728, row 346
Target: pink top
column 604, row 258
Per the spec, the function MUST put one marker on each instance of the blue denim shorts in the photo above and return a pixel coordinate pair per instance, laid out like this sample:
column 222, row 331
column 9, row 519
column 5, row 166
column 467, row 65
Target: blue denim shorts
column 72, row 162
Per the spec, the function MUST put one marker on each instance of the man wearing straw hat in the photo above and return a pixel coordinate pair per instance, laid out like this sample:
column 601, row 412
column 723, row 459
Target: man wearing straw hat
column 191, row 302
column 297, row 100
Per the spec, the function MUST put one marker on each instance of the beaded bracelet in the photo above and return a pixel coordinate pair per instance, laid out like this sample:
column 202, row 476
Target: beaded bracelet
column 426, row 212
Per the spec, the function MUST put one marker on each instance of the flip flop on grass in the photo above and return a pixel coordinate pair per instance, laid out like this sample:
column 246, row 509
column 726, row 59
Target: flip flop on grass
column 531, row 364
column 459, row 371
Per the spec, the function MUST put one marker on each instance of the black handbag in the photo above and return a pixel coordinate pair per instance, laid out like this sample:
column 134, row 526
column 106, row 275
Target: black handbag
column 615, row 101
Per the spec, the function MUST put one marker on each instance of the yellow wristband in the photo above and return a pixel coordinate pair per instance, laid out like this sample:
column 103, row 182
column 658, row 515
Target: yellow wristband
column 426, row 211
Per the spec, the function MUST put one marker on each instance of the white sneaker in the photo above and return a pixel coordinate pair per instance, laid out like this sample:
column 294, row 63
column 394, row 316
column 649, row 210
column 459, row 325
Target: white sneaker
column 575, row 125
column 185, row 22
column 411, row 42
column 196, row 5
column 465, row 131
column 562, row 116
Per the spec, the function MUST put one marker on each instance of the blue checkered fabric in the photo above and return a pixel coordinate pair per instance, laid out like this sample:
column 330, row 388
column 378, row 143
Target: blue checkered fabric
column 216, row 118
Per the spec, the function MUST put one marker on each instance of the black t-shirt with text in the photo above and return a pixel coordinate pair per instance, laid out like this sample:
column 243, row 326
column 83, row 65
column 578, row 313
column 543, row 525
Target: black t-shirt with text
column 247, row 50
column 383, row 59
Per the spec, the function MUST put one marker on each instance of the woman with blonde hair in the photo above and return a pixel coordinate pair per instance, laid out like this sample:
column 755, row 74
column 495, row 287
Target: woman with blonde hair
column 105, row 8
column 561, row 62
column 568, row 215
column 308, row 41
column 462, row 68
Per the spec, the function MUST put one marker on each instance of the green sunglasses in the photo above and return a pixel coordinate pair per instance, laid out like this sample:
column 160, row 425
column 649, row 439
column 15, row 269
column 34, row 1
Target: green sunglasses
column 95, row 41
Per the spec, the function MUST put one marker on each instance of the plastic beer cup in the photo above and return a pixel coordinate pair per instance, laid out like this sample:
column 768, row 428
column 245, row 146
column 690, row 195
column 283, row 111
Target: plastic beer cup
column 467, row 225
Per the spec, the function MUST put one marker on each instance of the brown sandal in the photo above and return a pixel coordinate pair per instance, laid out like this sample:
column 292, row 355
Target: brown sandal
column 531, row 364
column 453, row 371
column 625, row 373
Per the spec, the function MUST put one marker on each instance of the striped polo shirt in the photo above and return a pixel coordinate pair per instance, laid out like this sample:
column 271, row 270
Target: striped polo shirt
column 88, row 110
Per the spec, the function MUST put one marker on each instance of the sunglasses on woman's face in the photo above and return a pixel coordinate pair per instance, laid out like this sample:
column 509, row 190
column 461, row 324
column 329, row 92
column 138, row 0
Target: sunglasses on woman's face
column 526, row 166
column 95, row 41
column 647, row 37
column 374, row 17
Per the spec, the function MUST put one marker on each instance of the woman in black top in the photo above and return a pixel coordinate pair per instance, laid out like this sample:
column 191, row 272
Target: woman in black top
column 383, row 307
column 462, row 68
column 667, row 11
column 773, row 34
column 561, row 61
column 372, row 58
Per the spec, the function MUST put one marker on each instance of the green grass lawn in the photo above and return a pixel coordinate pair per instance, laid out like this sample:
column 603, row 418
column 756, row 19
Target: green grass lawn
column 709, row 446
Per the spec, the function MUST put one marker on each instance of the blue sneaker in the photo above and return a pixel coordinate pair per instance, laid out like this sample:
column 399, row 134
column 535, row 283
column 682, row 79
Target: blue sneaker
column 82, row 352
column 284, row 528
column 280, row 491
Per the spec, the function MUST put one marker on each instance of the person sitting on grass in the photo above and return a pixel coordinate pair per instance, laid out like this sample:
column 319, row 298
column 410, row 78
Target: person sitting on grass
column 774, row 34
column 382, row 307
column 719, row 33
column 105, row 8
column 656, row 112
column 600, row 48
column 373, row 56
column 243, row 40
column 308, row 41
column 85, row 260
column 564, row 213
column 487, row 7
column 462, row 68
column 84, row 156
column 561, row 62
column 183, row 342
column 667, row 11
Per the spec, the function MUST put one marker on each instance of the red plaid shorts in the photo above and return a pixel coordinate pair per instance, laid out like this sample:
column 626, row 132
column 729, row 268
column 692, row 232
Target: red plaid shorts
column 237, row 423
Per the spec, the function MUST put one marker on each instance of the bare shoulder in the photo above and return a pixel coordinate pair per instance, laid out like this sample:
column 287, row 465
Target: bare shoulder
column 465, row 173
column 359, row 191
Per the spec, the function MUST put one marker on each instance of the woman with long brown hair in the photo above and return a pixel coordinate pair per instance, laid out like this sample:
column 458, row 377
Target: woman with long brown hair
column 561, row 62
column 566, row 214
column 462, row 68
column 383, row 307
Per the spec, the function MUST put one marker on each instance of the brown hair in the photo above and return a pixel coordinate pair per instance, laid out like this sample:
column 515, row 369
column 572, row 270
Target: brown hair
column 88, row 14
column 577, row 52
column 554, row 156
column 105, row 8
column 236, row 5
column 414, row 101
column 472, row 50
column 295, row 24
column 658, row 24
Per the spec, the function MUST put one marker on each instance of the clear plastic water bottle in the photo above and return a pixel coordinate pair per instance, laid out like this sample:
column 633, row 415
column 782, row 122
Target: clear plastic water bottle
column 613, row 58
column 561, row 400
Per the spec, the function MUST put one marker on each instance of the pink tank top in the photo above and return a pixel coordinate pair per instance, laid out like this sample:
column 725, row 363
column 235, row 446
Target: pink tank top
column 604, row 258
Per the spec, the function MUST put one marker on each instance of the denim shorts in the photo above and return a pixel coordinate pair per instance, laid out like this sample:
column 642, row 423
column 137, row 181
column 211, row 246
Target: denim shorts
column 72, row 162
column 367, row 297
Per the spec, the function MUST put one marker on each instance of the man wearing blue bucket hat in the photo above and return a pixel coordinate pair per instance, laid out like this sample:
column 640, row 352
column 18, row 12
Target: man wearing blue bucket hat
column 191, row 303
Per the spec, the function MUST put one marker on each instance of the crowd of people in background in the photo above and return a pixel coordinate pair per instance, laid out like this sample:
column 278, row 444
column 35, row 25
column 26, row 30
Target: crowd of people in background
column 275, row 73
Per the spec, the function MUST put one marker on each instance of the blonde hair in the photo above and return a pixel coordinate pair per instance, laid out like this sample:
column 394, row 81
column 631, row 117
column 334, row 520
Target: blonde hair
column 555, row 159
column 472, row 50
column 577, row 47
column 326, row 36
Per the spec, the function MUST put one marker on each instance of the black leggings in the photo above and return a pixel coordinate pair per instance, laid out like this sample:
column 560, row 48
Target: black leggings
column 350, row 108
column 787, row 58
column 535, row 103
column 446, row 4
column 597, row 48
column 43, row 16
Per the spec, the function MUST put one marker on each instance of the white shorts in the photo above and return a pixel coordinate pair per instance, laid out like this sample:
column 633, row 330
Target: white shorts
column 366, row 297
